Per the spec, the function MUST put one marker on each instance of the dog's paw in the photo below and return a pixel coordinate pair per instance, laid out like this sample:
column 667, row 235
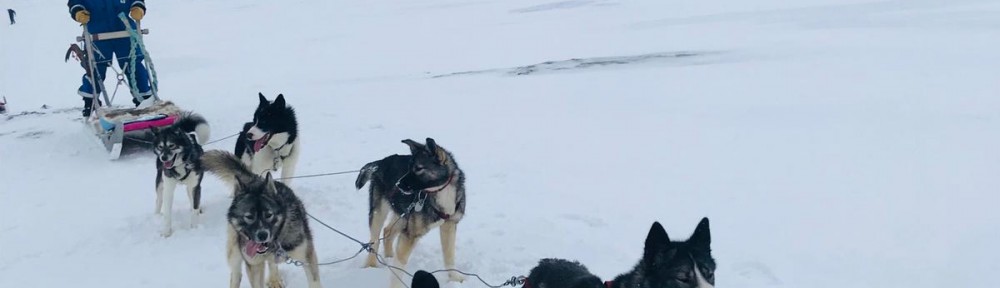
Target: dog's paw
column 455, row 277
column 371, row 263
column 194, row 218
column 275, row 282
column 166, row 233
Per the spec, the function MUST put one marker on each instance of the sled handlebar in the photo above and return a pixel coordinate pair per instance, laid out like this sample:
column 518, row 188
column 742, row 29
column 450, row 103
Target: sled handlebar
column 112, row 35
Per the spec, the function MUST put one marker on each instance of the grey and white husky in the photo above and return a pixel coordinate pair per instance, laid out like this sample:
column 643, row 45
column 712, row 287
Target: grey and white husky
column 427, row 188
column 664, row 264
column 178, row 161
column 267, row 223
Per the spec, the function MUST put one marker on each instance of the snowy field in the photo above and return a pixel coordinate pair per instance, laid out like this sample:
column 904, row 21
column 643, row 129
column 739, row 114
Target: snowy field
column 848, row 143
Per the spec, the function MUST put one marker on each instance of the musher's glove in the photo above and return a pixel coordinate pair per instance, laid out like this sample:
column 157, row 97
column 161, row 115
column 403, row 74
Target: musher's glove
column 82, row 16
column 137, row 13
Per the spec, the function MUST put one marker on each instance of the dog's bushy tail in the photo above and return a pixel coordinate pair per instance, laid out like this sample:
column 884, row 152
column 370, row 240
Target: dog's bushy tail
column 366, row 174
column 193, row 123
column 227, row 167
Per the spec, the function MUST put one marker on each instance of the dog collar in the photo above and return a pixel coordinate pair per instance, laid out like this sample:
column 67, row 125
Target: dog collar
column 450, row 178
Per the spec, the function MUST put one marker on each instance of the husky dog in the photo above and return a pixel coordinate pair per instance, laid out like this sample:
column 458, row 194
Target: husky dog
column 271, row 140
column 3, row 106
column 664, row 264
column 267, row 223
column 422, row 279
column 178, row 160
column 426, row 189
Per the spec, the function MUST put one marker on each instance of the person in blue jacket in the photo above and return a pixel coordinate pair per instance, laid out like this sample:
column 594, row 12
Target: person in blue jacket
column 101, row 16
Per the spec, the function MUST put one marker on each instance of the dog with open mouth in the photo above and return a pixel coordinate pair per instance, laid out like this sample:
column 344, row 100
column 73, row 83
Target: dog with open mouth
column 267, row 224
column 271, row 141
column 178, row 161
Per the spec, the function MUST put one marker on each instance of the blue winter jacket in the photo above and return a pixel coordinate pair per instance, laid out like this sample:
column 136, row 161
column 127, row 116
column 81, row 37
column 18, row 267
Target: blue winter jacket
column 104, row 13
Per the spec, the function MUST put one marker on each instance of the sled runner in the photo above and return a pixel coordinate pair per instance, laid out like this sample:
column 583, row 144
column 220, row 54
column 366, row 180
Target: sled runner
column 111, row 124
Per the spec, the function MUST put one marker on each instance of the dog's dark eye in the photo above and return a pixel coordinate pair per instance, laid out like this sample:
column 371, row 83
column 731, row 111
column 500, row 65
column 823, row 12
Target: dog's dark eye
column 684, row 277
column 268, row 215
column 248, row 218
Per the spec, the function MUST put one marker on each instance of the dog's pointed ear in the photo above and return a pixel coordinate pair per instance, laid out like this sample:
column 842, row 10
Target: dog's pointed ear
column 702, row 237
column 415, row 148
column 269, row 184
column 436, row 150
column 431, row 145
column 657, row 242
column 242, row 182
column 280, row 101
column 241, row 187
column 263, row 100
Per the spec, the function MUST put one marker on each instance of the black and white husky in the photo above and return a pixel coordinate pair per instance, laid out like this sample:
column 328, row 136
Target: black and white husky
column 664, row 264
column 271, row 141
column 426, row 189
column 178, row 160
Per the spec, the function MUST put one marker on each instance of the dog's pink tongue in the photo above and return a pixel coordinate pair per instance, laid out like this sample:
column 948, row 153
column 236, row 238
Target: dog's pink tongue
column 259, row 144
column 251, row 248
column 168, row 164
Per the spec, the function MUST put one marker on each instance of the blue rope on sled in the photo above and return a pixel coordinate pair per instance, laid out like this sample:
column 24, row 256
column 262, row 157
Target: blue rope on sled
column 136, row 40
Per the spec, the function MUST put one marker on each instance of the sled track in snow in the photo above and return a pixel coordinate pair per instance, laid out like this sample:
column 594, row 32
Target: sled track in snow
column 560, row 5
column 682, row 58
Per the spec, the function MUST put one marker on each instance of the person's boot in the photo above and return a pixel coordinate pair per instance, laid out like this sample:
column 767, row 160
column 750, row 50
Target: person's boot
column 87, row 102
column 138, row 102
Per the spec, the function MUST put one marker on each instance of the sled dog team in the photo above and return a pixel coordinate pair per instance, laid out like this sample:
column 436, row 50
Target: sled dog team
column 415, row 193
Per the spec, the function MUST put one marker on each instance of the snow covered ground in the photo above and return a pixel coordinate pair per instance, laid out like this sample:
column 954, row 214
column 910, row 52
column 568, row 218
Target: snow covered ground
column 848, row 143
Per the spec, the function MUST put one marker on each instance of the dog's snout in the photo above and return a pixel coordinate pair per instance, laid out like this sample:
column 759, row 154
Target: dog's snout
column 262, row 236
